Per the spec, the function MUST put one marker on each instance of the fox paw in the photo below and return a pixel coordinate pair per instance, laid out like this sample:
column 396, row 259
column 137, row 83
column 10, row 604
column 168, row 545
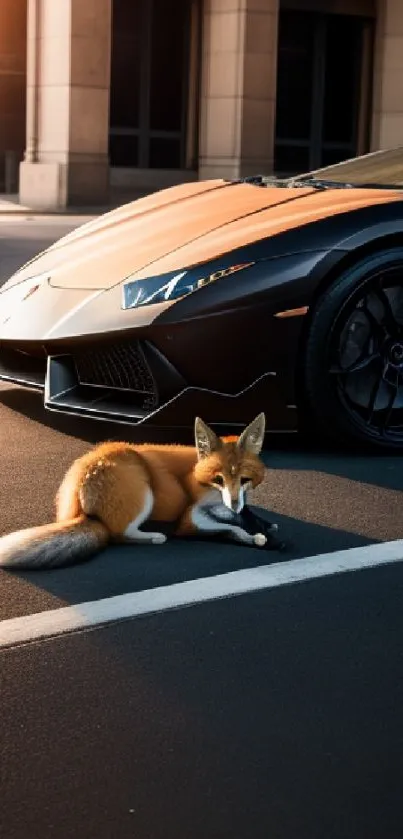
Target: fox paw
column 158, row 539
column 259, row 539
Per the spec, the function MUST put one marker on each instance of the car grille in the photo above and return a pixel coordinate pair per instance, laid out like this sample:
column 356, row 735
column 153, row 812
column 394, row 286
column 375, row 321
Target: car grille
column 118, row 366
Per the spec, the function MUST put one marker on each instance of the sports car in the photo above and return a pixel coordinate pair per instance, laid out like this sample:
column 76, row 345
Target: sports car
column 221, row 299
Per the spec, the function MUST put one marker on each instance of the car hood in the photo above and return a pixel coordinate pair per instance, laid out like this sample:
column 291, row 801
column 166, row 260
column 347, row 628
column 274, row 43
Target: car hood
column 183, row 226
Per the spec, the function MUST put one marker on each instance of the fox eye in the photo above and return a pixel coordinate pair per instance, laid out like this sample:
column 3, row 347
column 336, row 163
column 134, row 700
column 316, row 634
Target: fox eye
column 219, row 480
column 245, row 481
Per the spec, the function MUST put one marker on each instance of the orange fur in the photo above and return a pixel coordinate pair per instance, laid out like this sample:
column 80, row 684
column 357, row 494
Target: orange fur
column 107, row 494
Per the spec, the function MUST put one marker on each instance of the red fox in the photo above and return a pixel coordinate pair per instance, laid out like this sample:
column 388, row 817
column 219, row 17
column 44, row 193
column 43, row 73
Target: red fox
column 108, row 493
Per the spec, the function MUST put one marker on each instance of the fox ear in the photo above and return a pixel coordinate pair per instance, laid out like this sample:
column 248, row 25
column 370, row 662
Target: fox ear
column 206, row 441
column 252, row 438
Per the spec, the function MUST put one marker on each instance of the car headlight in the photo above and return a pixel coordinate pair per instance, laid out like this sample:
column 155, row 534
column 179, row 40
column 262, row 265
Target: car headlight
column 171, row 286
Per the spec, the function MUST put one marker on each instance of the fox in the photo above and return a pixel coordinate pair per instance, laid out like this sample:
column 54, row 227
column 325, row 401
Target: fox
column 109, row 492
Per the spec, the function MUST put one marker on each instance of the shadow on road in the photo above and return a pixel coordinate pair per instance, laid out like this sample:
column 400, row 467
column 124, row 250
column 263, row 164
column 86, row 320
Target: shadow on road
column 283, row 451
column 145, row 567
column 29, row 403
column 381, row 470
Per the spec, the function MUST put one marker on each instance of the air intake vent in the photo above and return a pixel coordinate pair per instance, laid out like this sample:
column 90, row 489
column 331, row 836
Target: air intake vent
column 118, row 366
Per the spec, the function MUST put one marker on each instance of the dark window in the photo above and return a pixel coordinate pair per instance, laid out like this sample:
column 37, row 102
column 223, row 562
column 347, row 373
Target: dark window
column 124, row 150
column 150, row 68
column 294, row 74
column 331, row 156
column 126, row 64
column 291, row 159
column 165, row 153
column 342, row 73
column 168, row 64
column 318, row 89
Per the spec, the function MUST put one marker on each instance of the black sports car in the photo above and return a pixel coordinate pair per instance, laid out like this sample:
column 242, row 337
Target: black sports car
column 222, row 299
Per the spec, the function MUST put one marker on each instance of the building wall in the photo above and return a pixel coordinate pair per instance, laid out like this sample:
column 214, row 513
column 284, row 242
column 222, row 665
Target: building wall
column 13, row 34
column 238, row 87
column 68, row 79
column 387, row 121
column 68, row 92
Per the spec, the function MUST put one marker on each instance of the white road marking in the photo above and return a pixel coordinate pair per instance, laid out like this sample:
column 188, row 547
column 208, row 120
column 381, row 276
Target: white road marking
column 134, row 604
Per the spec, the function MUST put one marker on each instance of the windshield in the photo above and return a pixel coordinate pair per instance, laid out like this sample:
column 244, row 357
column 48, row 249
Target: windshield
column 380, row 168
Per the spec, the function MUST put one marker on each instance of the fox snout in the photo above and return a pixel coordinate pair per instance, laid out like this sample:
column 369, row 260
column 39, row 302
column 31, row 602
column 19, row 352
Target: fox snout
column 236, row 505
column 233, row 499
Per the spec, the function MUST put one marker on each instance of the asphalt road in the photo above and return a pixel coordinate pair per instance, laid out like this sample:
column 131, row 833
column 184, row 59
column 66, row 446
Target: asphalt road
column 322, row 501
column 276, row 714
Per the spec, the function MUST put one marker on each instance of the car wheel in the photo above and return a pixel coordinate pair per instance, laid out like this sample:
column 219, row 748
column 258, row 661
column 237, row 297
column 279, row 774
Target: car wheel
column 353, row 365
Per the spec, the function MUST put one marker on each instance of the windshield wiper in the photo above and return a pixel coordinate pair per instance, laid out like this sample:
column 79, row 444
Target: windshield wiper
column 290, row 183
column 309, row 183
column 316, row 183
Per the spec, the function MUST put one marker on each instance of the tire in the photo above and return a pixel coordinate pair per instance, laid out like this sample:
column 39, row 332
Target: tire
column 353, row 359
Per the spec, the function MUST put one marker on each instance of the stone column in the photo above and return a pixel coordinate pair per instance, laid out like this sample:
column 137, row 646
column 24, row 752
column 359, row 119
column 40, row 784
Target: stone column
column 238, row 101
column 387, row 123
column 68, row 80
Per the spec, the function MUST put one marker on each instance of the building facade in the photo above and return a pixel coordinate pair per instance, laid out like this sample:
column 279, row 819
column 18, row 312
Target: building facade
column 13, row 75
column 134, row 95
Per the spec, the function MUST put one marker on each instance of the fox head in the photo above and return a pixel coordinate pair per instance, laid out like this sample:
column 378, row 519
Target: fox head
column 230, row 464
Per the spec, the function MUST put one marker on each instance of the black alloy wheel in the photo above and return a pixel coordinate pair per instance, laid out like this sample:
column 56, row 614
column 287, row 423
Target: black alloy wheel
column 354, row 354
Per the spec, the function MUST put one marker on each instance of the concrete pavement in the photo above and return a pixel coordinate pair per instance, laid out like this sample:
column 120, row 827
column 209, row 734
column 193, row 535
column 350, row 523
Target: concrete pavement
column 10, row 205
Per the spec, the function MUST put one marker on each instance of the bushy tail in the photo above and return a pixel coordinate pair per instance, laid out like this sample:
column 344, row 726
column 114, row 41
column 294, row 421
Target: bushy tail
column 53, row 545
